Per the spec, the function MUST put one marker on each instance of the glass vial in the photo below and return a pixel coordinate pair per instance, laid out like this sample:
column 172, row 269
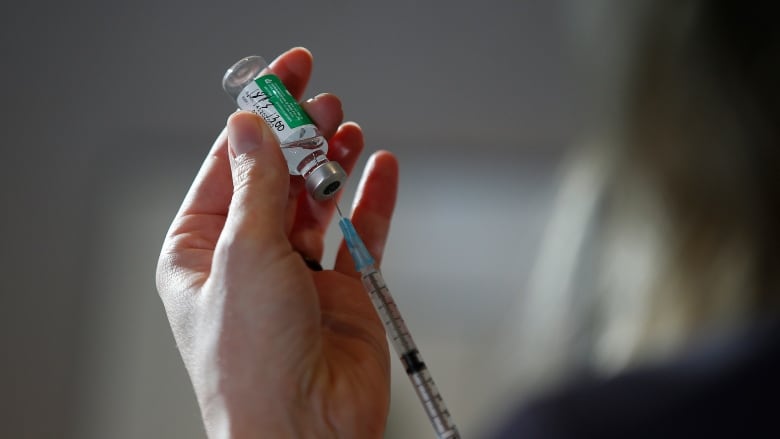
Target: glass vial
column 256, row 89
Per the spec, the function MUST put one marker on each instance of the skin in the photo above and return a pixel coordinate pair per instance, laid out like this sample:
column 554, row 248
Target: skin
column 273, row 348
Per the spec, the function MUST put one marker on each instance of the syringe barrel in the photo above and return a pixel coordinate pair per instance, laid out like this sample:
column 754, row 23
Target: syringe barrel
column 396, row 329
column 399, row 334
column 410, row 356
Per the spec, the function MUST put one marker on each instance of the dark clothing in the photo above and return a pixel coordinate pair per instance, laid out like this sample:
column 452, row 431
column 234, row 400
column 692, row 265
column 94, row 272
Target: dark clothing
column 730, row 388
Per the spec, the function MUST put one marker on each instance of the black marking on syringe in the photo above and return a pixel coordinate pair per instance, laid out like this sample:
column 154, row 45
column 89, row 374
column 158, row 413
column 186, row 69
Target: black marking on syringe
column 412, row 362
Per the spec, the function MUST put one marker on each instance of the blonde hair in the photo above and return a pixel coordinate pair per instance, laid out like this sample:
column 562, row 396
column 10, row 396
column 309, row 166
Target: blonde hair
column 666, row 226
column 699, row 149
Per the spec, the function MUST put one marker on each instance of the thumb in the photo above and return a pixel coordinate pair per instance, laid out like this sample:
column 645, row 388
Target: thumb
column 260, row 182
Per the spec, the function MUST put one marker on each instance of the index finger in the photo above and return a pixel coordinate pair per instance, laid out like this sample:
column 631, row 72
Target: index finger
column 294, row 69
column 372, row 209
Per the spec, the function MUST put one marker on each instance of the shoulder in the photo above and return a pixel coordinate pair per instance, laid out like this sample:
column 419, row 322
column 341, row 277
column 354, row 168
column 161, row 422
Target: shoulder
column 729, row 388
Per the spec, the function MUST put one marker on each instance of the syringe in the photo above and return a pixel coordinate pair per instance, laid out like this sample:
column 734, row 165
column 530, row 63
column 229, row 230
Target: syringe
column 398, row 334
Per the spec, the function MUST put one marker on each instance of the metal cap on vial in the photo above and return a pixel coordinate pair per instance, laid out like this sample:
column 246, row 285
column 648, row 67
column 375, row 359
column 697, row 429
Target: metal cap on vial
column 326, row 180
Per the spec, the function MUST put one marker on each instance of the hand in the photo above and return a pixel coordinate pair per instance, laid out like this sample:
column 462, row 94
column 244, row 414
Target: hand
column 273, row 348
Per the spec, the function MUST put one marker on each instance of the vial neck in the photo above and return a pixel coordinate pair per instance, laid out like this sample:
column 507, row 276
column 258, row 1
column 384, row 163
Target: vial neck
column 311, row 162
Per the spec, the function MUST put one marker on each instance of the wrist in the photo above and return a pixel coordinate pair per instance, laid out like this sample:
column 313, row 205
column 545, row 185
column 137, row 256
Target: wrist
column 225, row 419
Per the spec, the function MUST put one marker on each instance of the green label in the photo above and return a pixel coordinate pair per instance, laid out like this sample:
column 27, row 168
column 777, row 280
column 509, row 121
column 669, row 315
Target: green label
column 285, row 104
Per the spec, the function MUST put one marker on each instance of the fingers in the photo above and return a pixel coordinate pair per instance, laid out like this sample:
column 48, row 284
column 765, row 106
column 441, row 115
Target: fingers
column 212, row 191
column 326, row 112
column 255, row 219
column 312, row 217
column 373, row 208
column 294, row 69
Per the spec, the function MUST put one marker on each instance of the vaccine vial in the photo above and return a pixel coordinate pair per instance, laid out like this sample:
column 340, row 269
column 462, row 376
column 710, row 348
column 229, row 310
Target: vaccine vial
column 254, row 88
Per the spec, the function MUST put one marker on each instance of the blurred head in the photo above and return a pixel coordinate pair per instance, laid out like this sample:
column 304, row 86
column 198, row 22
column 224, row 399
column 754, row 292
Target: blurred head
column 698, row 146
column 666, row 228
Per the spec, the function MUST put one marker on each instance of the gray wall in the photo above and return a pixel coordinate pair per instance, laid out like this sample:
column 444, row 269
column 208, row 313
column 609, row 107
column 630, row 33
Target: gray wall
column 108, row 108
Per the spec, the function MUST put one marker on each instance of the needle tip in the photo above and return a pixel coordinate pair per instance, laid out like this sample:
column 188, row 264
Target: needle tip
column 338, row 209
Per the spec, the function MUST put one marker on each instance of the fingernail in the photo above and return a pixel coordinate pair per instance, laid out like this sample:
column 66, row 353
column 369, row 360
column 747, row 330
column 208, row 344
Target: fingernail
column 313, row 264
column 244, row 133
column 310, row 100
